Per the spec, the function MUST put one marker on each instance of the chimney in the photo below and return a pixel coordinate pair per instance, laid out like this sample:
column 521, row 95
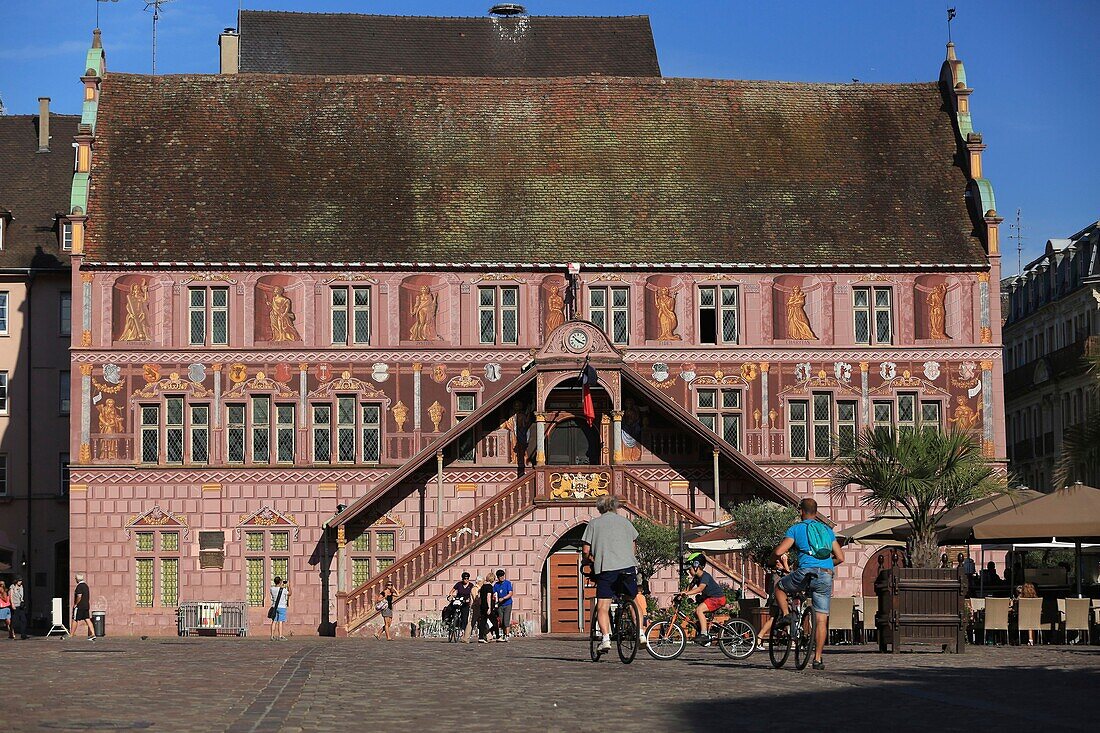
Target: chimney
column 230, row 44
column 43, row 124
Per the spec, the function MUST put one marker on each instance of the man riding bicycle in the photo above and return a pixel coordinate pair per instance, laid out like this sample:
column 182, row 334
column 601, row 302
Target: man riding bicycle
column 818, row 554
column 608, row 544
column 709, row 595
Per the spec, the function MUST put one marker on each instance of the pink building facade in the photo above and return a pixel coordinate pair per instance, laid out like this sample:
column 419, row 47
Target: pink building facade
column 349, row 417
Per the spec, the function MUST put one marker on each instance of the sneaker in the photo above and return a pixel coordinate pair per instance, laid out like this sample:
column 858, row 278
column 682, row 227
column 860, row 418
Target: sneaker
column 642, row 641
column 92, row 638
column 702, row 640
column 605, row 646
column 819, row 665
column 482, row 641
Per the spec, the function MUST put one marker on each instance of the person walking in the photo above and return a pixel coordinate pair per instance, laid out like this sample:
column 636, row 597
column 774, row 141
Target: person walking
column 19, row 608
column 5, row 609
column 485, row 599
column 82, row 607
column 386, row 608
column 503, row 592
column 280, row 601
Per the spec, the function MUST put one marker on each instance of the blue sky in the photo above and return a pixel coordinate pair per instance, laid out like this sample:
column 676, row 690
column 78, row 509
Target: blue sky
column 1033, row 66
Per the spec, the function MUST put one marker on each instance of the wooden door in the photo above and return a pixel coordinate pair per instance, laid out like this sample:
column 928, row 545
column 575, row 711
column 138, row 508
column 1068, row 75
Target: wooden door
column 570, row 602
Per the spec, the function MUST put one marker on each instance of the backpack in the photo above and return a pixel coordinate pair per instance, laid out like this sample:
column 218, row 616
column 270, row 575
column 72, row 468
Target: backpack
column 819, row 540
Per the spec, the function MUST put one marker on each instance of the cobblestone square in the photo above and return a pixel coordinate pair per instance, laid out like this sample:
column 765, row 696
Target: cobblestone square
column 541, row 684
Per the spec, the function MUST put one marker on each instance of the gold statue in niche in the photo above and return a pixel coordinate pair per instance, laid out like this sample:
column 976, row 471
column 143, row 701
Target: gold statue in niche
column 137, row 322
column 555, row 308
column 964, row 417
column 798, row 324
column 937, row 312
column 423, row 310
column 110, row 423
column 282, row 317
column 666, row 314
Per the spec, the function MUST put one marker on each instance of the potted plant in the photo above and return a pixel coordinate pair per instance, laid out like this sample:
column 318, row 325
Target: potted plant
column 920, row 475
column 657, row 547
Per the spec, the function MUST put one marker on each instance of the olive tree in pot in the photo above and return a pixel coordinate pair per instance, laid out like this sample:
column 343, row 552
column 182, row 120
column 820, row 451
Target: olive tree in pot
column 921, row 475
column 657, row 547
column 761, row 525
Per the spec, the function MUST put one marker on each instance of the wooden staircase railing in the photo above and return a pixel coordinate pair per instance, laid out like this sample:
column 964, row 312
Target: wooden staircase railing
column 445, row 548
column 645, row 499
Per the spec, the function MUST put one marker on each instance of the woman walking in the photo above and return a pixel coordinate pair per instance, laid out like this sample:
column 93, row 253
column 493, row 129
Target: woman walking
column 387, row 611
column 5, row 609
column 485, row 598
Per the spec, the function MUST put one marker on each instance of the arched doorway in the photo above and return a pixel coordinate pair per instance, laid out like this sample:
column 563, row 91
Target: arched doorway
column 568, row 602
column 884, row 559
column 572, row 442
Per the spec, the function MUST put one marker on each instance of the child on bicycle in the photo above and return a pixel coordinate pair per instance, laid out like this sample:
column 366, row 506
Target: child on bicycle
column 709, row 595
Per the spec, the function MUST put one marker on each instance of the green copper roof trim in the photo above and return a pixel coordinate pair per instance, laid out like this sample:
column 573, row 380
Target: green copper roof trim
column 79, row 195
column 985, row 190
column 95, row 63
column 960, row 73
column 966, row 126
column 88, row 114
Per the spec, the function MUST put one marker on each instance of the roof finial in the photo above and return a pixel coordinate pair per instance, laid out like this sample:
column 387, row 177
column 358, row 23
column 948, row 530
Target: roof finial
column 97, row 41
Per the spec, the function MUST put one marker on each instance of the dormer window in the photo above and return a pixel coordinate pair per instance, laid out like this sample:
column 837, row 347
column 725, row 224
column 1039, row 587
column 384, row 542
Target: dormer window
column 66, row 235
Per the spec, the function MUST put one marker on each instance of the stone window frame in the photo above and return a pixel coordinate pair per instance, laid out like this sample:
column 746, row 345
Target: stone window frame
column 608, row 310
column 358, row 428
column 159, row 555
column 720, row 310
column 208, row 309
column 367, row 547
column 465, row 450
column 719, row 410
column 350, row 310
column 817, row 427
column 497, row 310
column 274, row 560
column 871, row 310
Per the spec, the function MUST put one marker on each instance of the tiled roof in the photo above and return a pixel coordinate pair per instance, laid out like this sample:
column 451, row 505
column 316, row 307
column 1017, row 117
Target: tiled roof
column 257, row 168
column 35, row 188
column 345, row 43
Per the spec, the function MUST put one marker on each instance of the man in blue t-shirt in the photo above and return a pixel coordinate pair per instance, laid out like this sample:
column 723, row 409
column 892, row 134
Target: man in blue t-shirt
column 813, row 573
column 502, row 589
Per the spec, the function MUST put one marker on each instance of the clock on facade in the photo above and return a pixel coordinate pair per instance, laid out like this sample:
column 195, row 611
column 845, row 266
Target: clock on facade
column 577, row 340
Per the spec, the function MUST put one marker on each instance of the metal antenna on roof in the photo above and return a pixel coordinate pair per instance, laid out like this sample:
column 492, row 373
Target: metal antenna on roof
column 950, row 17
column 1018, row 235
column 155, row 5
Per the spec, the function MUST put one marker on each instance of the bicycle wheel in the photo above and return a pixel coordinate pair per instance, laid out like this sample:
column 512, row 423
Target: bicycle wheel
column 626, row 626
column 779, row 644
column 594, row 637
column 665, row 640
column 804, row 646
column 737, row 639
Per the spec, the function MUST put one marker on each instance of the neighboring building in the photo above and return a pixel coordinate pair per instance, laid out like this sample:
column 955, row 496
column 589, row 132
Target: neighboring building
column 305, row 296
column 36, row 173
column 502, row 45
column 1052, row 321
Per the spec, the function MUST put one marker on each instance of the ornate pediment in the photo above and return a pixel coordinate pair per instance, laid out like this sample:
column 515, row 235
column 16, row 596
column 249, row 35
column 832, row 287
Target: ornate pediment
column 174, row 384
column 155, row 518
column 345, row 384
column 578, row 338
column 265, row 518
column 465, row 380
column 260, row 383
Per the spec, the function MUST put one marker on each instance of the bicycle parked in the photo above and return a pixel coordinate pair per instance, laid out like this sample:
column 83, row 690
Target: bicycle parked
column 624, row 628
column 798, row 634
column 668, row 639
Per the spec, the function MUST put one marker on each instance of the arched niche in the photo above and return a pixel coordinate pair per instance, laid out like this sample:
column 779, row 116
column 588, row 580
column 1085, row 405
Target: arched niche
column 277, row 301
column 783, row 289
column 134, row 300
column 424, row 308
column 664, row 308
column 929, row 293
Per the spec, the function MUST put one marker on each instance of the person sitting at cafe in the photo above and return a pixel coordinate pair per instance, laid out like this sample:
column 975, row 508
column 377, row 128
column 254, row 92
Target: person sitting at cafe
column 989, row 575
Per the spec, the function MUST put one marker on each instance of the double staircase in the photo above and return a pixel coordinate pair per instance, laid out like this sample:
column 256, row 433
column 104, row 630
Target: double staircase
column 516, row 501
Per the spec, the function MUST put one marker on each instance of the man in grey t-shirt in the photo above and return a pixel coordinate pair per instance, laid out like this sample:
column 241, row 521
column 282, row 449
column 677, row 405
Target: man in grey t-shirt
column 608, row 544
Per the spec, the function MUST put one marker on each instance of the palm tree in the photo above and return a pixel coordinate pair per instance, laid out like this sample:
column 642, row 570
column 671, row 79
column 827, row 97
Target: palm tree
column 920, row 475
column 1081, row 443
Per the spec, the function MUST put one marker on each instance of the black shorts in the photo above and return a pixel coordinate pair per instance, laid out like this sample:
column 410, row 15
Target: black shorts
column 612, row 583
column 82, row 614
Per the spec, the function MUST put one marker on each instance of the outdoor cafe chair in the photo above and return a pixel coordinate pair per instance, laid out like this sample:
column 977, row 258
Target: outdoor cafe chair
column 841, row 611
column 869, row 610
column 1030, row 616
column 996, row 616
column 1075, row 617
